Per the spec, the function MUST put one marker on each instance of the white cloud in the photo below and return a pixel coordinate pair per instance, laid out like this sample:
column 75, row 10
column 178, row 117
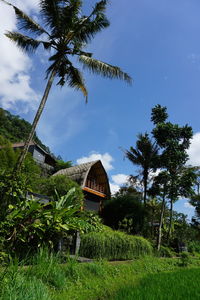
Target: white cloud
column 188, row 205
column 105, row 158
column 15, row 66
column 26, row 5
column 114, row 188
column 194, row 58
column 119, row 179
column 194, row 150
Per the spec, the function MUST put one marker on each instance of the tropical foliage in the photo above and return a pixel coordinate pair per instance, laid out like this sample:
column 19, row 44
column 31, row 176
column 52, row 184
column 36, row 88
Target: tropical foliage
column 125, row 211
column 29, row 223
column 15, row 129
column 64, row 32
column 144, row 155
column 60, row 184
column 165, row 177
column 31, row 171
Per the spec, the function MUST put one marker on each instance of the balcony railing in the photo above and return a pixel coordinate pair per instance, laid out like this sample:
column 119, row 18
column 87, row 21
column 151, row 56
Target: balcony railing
column 92, row 184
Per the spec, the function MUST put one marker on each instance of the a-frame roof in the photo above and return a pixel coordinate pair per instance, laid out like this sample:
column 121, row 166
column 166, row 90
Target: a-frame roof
column 80, row 173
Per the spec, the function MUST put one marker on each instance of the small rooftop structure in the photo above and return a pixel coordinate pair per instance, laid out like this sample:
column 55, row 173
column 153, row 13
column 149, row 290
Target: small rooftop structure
column 39, row 154
column 93, row 180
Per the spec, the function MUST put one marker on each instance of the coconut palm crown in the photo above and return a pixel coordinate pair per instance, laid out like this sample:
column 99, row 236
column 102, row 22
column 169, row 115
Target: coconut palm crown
column 145, row 155
column 64, row 32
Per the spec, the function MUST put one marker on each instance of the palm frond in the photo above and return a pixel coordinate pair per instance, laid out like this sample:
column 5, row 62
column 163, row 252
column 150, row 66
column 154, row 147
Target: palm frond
column 6, row 2
column 24, row 42
column 87, row 27
column 100, row 7
column 27, row 23
column 50, row 11
column 134, row 156
column 85, row 32
column 70, row 17
column 47, row 45
column 75, row 80
column 67, row 73
column 70, row 11
column 104, row 69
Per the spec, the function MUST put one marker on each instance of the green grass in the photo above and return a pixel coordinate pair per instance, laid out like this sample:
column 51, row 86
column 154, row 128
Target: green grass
column 45, row 278
column 182, row 284
column 15, row 285
column 101, row 280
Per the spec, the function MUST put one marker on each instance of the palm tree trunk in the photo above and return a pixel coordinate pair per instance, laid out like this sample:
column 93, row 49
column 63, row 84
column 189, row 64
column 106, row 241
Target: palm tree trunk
column 170, row 221
column 161, row 223
column 35, row 122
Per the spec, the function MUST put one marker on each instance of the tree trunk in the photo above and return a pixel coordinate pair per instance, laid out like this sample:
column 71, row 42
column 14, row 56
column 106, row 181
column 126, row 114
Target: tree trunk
column 145, row 181
column 35, row 122
column 161, row 223
column 170, row 221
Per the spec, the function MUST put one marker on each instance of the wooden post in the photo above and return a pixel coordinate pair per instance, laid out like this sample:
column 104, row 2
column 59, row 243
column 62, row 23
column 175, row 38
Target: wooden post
column 77, row 243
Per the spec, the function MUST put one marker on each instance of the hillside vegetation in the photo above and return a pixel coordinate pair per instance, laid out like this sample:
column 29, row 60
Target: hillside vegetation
column 16, row 129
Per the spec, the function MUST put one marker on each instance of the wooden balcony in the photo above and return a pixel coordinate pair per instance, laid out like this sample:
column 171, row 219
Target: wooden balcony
column 95, row 192
column 93, row 184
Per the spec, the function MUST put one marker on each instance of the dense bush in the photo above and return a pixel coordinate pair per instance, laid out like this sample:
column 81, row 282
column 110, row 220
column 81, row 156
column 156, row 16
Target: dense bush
column 125, row 206
column 165, row 252
column 62, row 184
column 8, row 158
column 185, row 259
column 113, row 245
column 194, row 246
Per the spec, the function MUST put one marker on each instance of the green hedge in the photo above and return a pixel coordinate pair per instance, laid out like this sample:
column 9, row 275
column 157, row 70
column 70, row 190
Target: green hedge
column 113, row 245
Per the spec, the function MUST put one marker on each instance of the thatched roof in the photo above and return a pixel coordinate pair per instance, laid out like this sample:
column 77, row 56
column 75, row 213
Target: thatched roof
column 82, row 172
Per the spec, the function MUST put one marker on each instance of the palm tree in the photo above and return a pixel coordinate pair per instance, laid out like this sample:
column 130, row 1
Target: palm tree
column 65, row 33
column 143, row 155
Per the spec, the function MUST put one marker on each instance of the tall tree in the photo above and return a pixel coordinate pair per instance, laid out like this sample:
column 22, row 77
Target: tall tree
column 159, row 188
column 144, row 155
column 195, row 199
column 173, row 140
column 64, row 32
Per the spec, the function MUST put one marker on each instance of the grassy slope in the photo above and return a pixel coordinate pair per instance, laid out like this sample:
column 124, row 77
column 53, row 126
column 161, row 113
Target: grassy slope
column 101, row 280
column 181, row 284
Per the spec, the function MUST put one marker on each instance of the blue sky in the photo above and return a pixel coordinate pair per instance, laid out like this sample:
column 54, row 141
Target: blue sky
column 156, row 42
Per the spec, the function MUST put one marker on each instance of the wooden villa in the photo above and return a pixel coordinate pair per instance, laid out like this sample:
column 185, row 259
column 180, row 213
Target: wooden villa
column 93, row 180
column 44, row 159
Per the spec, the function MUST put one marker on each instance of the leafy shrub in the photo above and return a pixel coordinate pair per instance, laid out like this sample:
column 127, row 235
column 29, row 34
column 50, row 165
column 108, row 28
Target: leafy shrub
column 113, row 245
column 62, row 184
column 30, row 224
column 193, row 247
column 165, row 252
column 125, row 206
column 185, row 259
column 4, row 257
